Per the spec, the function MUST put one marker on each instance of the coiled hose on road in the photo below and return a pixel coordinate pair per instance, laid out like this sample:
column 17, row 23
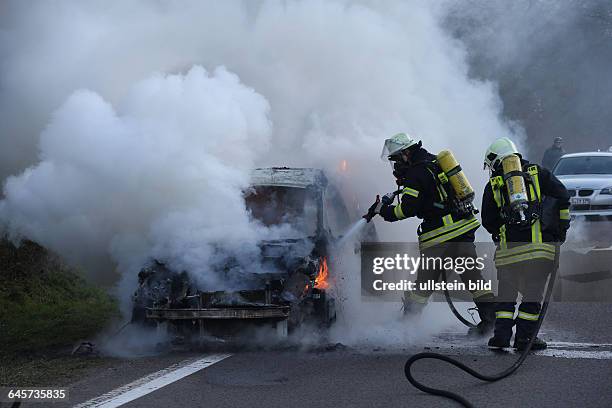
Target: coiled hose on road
column 469, row 370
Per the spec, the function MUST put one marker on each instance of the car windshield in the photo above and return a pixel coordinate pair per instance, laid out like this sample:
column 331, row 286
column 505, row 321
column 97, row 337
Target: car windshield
column 291, row 210
column 584, row 165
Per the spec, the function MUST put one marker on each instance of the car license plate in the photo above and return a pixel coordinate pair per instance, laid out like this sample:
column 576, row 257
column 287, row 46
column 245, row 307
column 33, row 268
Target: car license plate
column 579, row 201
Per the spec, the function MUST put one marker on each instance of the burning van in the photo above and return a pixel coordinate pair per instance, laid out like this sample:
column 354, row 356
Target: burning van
column 295, row 285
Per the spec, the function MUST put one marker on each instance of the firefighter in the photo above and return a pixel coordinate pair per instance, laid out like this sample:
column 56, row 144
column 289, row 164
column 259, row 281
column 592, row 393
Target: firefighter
column 425, row 193
column 516, row 211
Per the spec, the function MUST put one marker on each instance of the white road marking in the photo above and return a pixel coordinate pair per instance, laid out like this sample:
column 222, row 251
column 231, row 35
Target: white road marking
column 151, row 382
column 580, row 354
column 562, row 350
column 580, row 345
column 455, row 343
column 551, row 351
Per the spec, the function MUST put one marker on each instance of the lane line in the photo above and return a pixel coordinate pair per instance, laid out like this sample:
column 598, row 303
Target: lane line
column 579, row 345
column 550, row 352
column 455, row 343
column 458, row 338
column 151, row 382
column 585, row 351
column 579, row 354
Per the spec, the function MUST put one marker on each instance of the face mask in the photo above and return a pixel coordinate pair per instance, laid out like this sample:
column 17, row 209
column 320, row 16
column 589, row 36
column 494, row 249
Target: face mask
column 400, row 169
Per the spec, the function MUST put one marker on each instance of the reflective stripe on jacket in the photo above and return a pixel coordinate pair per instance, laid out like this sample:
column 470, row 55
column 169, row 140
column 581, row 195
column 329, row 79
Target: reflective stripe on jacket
column 506, row 254
column 451, row 229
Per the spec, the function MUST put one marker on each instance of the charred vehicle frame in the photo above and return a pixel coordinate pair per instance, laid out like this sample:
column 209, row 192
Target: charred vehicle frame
column 295, row 287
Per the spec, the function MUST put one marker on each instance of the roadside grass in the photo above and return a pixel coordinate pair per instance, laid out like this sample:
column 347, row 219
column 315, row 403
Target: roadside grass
column 45, row 306
column 46, row 370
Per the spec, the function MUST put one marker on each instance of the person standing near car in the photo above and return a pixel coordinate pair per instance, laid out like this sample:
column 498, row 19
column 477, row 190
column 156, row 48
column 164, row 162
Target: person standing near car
column 553, row 154
column 447, row 229
column 526, row 210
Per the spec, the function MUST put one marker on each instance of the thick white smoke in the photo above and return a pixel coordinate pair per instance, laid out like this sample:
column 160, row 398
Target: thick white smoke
column 143, row 164
column 159, row 175
column 340, row 75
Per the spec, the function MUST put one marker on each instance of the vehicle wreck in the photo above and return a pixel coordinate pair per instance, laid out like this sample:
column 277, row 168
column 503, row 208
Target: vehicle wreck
column 295, row 286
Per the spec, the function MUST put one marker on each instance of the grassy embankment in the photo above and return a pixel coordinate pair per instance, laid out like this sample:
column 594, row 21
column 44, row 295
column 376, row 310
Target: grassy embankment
column 45, row 308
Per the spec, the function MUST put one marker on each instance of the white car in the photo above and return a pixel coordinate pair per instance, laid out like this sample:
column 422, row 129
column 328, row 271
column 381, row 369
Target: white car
column 588, row 178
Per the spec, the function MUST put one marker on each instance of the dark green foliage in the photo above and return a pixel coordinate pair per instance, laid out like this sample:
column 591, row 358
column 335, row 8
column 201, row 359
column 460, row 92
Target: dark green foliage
column 44, row 303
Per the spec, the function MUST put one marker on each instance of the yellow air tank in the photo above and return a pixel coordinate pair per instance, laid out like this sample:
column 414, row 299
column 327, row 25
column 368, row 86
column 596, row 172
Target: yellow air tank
column 515, row 183
column 459, row 182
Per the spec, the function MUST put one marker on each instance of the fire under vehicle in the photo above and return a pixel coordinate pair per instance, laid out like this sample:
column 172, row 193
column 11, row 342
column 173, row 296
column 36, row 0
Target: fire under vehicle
column 296, row 286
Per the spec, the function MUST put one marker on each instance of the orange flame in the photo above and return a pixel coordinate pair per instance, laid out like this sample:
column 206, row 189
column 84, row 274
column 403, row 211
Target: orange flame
column 343, row 165
column 321, row 281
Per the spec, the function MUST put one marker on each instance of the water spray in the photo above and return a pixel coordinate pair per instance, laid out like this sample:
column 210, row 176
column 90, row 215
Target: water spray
column 350, row 233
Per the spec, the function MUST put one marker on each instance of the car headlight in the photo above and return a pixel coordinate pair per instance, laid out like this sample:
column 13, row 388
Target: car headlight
column 607, row 190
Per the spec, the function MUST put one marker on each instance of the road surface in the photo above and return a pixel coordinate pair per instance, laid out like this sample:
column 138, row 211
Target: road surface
column 574, row 372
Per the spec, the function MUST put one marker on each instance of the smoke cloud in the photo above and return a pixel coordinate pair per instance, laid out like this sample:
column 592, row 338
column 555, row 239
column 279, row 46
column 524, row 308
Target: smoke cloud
column 159, row 176
column 129, row 127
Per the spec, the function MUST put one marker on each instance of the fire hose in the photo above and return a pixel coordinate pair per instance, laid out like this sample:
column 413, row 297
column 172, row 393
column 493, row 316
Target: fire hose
column 489, row 378
column 452, row 307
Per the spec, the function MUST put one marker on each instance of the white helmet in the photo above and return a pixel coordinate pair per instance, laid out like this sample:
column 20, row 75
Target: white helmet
column 396, row 144
column 499, row 150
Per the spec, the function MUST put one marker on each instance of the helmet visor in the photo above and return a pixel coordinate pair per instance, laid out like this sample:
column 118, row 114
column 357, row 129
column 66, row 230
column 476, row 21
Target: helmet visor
column 391, row 151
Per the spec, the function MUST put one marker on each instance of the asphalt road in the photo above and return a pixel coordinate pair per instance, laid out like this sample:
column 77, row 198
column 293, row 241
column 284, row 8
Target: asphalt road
column 574, row 372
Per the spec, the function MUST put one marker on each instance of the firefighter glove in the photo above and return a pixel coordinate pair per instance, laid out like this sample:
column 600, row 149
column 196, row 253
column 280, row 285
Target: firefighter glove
column 388, row 198
column 373, row 210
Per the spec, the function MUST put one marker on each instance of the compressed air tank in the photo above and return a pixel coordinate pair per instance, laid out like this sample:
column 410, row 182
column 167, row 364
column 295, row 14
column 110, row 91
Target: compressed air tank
column 514, row 180
column 457, row 179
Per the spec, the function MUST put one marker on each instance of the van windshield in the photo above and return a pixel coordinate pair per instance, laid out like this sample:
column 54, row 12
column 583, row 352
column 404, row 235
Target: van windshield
column 292, row 209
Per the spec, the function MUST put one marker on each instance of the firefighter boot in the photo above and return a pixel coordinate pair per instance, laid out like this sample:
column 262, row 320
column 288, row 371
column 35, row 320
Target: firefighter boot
column 504, row 321
column 521, row 343
column 486, row 311
column 499, row 342
column 501, row 334
column 526, row 325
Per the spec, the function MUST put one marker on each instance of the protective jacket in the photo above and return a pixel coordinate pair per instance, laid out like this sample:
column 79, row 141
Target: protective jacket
column 518, row 243
column 422, row 195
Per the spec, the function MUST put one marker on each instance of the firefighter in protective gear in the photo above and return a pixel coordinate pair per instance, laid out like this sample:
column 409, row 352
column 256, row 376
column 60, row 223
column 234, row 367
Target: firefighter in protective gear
column 526, row 246
column 422, row 193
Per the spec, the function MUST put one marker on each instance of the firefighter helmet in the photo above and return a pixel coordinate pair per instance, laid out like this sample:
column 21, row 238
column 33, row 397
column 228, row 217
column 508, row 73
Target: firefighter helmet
column 395, row 145
column 499, row 150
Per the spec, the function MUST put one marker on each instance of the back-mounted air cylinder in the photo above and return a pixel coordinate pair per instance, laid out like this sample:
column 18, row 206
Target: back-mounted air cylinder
column 515, row 182
column 457, row 179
